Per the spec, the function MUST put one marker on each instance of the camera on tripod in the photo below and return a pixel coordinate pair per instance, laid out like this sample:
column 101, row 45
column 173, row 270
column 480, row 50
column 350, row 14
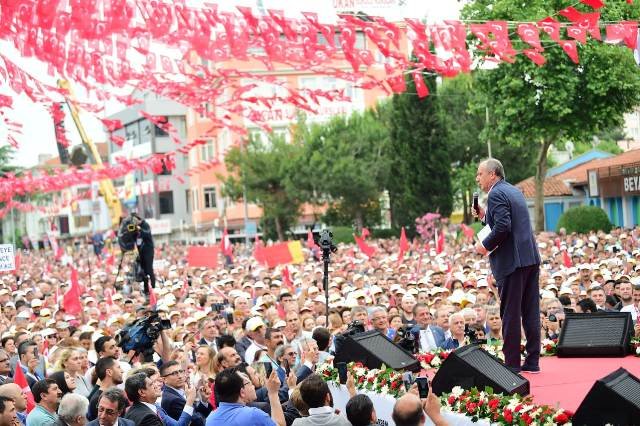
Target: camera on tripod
column 406, row 339
column 325, row 241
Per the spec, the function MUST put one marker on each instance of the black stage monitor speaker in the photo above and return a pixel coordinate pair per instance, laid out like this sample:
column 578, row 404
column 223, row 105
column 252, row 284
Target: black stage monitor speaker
column 373, row 349
column 595, row 335
column 471, row 366
column 614, row 400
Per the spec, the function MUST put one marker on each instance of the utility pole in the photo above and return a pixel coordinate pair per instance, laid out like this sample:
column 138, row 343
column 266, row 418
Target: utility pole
column 486, row 124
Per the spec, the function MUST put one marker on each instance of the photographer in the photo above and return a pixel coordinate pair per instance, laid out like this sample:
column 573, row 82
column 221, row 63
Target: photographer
column 144, row 242
column 553, row 315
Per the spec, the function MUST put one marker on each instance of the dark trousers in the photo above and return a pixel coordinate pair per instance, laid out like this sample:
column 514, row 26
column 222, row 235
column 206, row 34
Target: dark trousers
column 520, row 305
column 145, row 257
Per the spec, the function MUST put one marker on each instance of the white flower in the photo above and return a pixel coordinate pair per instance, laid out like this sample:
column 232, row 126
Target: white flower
column 436, row 361
column 526, row 408
column 638, row 350
column 457, row 391
column 384, row 389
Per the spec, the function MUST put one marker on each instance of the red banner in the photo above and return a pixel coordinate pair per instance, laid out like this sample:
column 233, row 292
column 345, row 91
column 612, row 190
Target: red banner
column 200, row 256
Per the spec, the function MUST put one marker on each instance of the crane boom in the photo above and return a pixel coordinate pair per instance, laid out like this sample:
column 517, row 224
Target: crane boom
column 107, row 189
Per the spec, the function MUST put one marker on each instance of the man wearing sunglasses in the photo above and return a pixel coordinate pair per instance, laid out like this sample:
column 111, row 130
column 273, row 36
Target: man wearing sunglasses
column 174, row 397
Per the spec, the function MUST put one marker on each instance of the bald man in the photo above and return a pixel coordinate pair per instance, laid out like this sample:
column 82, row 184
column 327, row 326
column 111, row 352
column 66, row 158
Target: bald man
column 13, row 391
column 410, row 410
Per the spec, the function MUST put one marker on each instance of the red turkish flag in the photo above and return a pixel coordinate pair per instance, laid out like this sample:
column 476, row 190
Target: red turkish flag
column 404, row 245
column 310, row 243
column 71, row 299
column 20, row 380
column 153, row 300
column 440, row 243
column 529, row 33
column 551, row 27
column 578, row 33
column 596, row 4
column 225, row 244
column 286, row 279
column 365, row 233
column 535, row 56
column 365, row 248
column 570, row 48
column 421, row 88
column 566, row 259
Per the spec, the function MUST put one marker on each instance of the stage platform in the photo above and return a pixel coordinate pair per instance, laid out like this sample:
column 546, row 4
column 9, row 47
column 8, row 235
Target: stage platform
column 564, row 382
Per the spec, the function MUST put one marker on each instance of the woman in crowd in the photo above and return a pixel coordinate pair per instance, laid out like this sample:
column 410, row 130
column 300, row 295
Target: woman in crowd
column 70, row 361
column 65, row 381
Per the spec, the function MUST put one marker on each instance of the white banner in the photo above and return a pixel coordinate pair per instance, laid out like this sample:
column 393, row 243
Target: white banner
column 7, row 258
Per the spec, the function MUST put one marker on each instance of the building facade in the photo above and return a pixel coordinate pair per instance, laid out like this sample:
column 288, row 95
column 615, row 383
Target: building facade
column 163, row 199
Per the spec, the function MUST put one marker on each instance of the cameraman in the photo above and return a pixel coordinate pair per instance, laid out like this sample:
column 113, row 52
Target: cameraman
column 144, row 243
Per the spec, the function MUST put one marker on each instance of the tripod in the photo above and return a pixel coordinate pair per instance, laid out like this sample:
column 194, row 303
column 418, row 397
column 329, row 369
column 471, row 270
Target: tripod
column 326, row 244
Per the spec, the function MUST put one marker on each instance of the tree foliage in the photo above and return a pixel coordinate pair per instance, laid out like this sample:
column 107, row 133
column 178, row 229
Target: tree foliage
column 458, row 100
column 560, row 100
column 584, row 219
column 348, row 165
column 267, row 172
column 420, row 178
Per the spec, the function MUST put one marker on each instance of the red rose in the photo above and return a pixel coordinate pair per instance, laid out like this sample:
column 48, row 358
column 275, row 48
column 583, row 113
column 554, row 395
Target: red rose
column 471, row 407
column 561, row 418
column 370, row 379
column 451, row 400
column 518, row 408
column 493, row 404
column 444, row 355
column 481, row 403
column 394, row 385
column 361, row 379
column 527, row 419
column 508, row 417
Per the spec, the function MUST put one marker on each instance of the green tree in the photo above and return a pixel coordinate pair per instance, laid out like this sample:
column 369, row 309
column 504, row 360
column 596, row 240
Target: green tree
column 560, row 100
column 348, row 166
column 420, row 178
column 465, row 120
column 266, row 171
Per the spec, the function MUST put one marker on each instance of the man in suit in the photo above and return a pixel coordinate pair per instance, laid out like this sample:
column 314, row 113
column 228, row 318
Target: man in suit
column 111, row 405
column 174, row 397
column 5, row 369
column 515, row 263
column 309, row 359
column 143, row 391
column 430, row 337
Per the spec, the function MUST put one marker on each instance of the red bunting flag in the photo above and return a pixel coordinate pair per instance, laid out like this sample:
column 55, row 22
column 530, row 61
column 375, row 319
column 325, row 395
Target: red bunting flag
column 421, row 87
column 595, row 4
column 20, row 380
column 570, row 48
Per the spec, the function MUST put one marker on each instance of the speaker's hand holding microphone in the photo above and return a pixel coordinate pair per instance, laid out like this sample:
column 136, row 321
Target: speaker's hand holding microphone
column 476, row 210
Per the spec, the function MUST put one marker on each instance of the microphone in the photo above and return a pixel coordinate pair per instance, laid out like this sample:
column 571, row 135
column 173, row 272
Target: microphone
column 476, row 207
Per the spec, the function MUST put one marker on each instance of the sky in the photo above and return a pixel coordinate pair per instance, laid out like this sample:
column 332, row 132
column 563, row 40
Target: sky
column 37, row 132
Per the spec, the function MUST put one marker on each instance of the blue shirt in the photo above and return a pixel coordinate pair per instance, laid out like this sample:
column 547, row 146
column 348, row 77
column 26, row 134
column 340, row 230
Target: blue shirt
column 234, row 414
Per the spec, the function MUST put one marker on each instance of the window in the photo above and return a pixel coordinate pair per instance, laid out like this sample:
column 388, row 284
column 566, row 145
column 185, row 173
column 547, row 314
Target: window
column 145, row 131
column 165, row 170
column 209, row 197
column 207, row 151
column 166, row 202
column 188, row 200
column 132, row 134
column 158, row 131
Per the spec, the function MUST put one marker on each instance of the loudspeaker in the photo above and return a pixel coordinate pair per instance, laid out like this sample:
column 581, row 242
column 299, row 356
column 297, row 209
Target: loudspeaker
column 614, row 399
column 470, row 366
column 374, row 349
column 595, row 335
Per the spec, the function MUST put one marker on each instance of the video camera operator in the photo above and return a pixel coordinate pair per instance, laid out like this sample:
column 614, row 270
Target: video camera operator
column 136, row 232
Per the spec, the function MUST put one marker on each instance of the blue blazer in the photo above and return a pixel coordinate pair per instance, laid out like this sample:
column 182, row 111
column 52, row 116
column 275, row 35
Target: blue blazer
column 173, row 403
column 121, row 421
column 511, row 238
column 302, row 373
column 450, row 344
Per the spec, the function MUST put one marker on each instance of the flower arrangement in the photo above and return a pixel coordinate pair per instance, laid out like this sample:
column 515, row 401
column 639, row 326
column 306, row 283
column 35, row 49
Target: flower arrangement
column 432, row 360
column 635, row 346
column 549, row 347
column 503, row 409
column 427, row 224
column 384, row 381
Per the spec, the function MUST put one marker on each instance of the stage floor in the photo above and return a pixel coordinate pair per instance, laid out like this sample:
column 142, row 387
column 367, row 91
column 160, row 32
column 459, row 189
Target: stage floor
column 564, row 382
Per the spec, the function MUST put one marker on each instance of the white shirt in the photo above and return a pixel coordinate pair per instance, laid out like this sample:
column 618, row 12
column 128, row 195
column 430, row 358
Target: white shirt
column 250, row 353
column 427, row 341
column 633, row 309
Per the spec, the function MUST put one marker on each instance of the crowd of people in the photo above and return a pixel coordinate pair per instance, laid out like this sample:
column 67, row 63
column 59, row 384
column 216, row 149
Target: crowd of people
column 244, row 341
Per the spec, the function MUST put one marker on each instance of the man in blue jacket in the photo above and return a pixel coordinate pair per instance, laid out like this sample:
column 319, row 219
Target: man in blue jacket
column 515, row 263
